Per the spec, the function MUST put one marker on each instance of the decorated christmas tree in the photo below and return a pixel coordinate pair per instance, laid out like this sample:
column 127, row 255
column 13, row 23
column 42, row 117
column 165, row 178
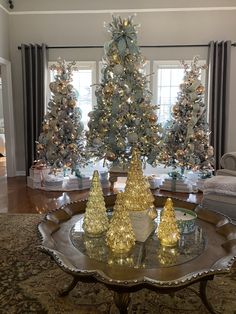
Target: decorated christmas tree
column 95, row 217
column 137, row 195
column 123, row 116
column 186, row 141
column 120, row 236
column 168, row 232
column 61, row 143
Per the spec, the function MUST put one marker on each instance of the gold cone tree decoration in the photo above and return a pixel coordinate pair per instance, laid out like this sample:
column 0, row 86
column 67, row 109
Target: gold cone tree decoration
column 120, row 236
column 95, row 217
column 168, row 232
column 138, row 196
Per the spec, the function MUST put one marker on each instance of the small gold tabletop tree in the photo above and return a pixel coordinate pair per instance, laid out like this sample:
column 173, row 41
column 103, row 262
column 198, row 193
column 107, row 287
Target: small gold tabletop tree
column 138, row 195
column 95, row 217
column 120, row 236
column 168, row 232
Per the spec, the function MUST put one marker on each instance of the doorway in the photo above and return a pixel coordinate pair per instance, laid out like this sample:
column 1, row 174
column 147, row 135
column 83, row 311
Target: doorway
column 2, row 135
column 7, row 127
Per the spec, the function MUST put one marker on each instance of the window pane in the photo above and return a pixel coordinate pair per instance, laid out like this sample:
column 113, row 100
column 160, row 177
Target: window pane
column 81, row 81
column 169, row 78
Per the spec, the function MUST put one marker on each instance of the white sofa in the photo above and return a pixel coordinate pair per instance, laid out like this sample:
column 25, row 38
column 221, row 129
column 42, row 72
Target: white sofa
column 219, row 192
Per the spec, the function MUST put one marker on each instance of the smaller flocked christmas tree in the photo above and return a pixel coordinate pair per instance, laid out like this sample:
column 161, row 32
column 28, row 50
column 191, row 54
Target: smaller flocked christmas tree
column 120, row 236
column 61, row 143
column 186, row 141
column 95, row 217
column 168, row 232
column 137, row 195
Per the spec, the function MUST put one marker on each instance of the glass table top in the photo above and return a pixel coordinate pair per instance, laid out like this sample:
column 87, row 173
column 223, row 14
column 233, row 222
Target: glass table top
column 148, row 254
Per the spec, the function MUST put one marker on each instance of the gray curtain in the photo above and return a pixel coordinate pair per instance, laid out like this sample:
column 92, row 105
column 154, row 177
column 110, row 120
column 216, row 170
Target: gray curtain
column 218, row 95
column 34, row 69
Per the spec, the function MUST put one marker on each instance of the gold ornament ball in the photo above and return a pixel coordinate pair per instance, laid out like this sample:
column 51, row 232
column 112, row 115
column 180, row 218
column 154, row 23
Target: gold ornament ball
column 115, row 58
column 110, row 156
column 40, row 146
column 200, row 134
column 180, row 152
column 45, row 127
column 152, row 118
column 72, row 146
column 72, row 103
column 200, row 90
column 109, row 88
column 175, row 109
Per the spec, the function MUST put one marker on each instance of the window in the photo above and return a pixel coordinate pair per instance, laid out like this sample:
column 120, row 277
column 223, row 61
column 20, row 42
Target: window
column 83, row 79
column 168, row 76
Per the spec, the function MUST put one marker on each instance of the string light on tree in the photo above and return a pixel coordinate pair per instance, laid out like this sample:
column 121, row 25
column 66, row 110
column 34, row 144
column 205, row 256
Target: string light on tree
column 123, row 116
column 61, row 143
column 186, row 140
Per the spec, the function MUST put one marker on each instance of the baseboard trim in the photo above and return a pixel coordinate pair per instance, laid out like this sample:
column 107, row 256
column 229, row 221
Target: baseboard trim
column 20, row 173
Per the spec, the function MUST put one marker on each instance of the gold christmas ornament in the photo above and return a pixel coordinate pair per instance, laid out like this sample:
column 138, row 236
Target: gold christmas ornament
column 152, row 118
column 45, row 127
column 120, row 236
column 72, row 103
column 200, row 90
column 200, row 134
column 110, row 156
column 175, row 109
column 168, row 232
column 109, row 88
column 95, row 217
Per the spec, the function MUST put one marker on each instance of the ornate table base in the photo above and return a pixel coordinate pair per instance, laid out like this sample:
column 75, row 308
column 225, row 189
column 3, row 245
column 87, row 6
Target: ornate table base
column 122, row 299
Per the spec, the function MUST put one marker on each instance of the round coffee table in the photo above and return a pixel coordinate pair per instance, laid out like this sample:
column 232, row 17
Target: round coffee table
column 209, row 250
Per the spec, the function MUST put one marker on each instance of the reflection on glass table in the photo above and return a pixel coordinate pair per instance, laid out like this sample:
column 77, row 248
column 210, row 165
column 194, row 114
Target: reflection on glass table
column 149, row 254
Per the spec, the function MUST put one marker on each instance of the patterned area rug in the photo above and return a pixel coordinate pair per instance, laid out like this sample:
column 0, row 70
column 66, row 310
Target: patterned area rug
column 30, row 281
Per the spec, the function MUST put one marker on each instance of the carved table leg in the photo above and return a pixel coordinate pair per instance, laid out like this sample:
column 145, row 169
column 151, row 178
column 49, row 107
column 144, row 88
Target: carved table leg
column 203, row 296
column 71, row 286
column 122, row 301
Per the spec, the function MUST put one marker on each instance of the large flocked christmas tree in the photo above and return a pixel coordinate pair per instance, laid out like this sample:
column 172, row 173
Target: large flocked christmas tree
column 123, row 116
column 186, row 141
column 61, row 143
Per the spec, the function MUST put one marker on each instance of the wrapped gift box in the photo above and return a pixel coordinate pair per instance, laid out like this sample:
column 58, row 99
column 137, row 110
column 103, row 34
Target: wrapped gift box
column 37, row 174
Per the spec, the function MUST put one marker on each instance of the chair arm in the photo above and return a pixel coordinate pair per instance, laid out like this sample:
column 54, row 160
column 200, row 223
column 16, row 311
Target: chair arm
column 228, row 161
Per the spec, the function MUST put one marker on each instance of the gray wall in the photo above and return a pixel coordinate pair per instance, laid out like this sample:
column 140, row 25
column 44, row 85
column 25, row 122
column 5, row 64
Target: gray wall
column 87, row 29
column 4, row 34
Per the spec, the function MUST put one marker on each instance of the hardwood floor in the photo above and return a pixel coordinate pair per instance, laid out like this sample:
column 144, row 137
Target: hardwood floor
column 16, row 197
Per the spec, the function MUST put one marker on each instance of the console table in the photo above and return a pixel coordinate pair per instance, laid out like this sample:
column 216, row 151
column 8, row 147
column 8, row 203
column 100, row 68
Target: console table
column 88, row 260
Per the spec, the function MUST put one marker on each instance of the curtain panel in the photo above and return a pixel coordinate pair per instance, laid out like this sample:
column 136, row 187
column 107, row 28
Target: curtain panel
column 218, row 95
column 34, row 70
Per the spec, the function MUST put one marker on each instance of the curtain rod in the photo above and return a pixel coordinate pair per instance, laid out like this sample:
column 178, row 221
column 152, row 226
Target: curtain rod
column 141, row 46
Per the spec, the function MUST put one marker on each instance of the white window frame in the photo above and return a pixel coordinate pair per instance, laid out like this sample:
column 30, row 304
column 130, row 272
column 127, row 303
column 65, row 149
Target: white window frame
column 171, row 64
column 80, row 65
